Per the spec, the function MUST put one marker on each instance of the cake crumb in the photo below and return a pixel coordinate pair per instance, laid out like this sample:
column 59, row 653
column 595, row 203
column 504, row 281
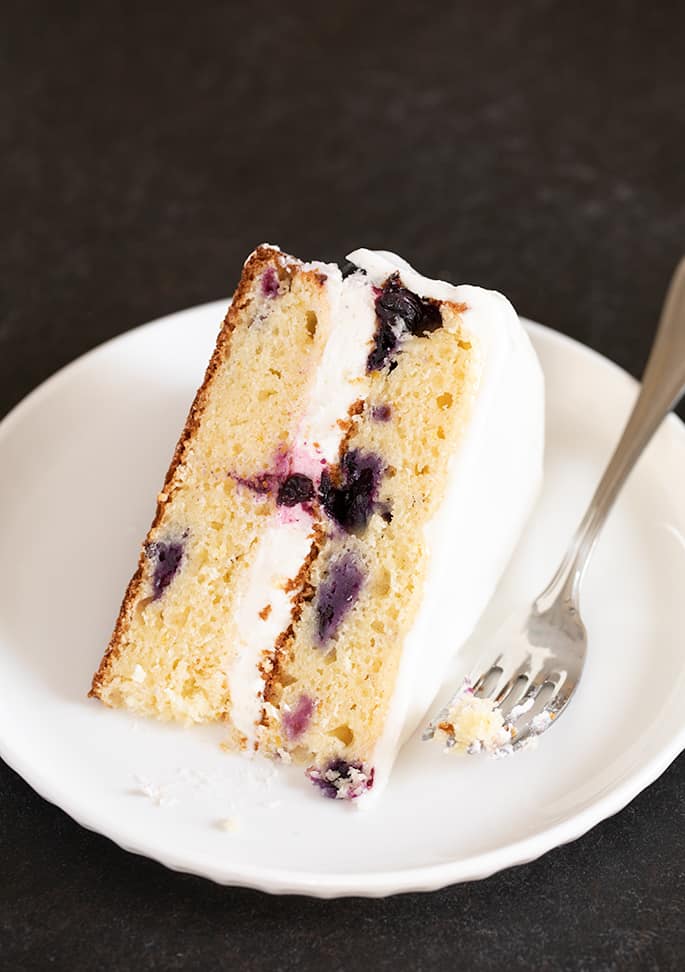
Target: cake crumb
column 541, row 721
column 265, row 612
column 229, row 825
column 473, row 725
column 521, row 709
column 155, row 793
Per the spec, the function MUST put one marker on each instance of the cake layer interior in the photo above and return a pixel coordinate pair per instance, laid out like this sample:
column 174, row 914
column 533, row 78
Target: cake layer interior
column 329, row 696
column 170, row 653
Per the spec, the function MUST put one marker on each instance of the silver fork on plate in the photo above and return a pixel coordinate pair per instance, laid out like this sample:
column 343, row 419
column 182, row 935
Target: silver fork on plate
column 533, row 665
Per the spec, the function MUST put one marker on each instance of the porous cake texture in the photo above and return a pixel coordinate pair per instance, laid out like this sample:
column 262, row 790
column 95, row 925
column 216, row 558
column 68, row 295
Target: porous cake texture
column 281, row 585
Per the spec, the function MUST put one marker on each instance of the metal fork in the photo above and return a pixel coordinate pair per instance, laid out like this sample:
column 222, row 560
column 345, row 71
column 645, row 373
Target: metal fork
column 532, row 668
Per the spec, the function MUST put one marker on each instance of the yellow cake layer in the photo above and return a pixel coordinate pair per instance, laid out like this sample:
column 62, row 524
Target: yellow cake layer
column 351, row 680
column 169, row 656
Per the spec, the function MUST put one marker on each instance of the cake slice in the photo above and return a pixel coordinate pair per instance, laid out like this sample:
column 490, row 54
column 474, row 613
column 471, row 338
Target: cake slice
column 353, row 476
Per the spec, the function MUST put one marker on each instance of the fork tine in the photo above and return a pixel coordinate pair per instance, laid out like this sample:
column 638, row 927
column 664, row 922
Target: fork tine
column 542, row 721
column 524, row 670
column 554, row 678
column 560, row 700
column 553, row 707
column 523, row 738
column 513, row 693
column 479, row 679
column 505, row 676
column 527, row 700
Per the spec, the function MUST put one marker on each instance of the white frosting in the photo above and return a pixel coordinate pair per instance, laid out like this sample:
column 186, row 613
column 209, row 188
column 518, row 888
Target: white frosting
column 341, row 377
column 494, row 478
column 339, row 381
column 280, row 553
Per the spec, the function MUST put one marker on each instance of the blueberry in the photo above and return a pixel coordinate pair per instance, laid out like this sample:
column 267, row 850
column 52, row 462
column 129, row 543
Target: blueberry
column 270, row 282
column 297, row 720
column 347, row 268
column 295, row 489
column 397, row 310
column 341, row 780
column 167, row 557
column 336, row 594
column 386, row 340
column 417, row 315
column 381, row 413
column 351, row 501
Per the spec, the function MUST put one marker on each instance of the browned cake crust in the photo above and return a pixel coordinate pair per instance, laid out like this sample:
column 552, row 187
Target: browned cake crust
column 262, row 257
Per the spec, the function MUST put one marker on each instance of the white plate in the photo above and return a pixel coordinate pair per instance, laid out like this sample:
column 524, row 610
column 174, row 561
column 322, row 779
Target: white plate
column 82, row 459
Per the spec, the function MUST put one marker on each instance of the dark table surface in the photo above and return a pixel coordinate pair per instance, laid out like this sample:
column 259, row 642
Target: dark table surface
column 537, row 147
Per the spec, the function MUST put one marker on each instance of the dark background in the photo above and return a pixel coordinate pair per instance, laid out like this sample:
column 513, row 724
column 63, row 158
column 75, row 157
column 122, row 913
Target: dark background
column 534, row 146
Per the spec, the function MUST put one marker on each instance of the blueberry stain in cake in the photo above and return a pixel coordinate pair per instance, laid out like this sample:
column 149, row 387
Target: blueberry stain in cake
column 336, row 595
column 399, row 310
column 270, row 283
column 385, row 512
column 341, row 780
column 295, row 489
column 166, row 557
column 349, row 498
column 381, row 413
column 385, row 340
column 262, row 484
column 296, row 721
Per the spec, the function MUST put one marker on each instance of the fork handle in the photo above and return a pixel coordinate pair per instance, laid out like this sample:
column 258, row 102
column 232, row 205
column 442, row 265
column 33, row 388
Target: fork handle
column 663, row 384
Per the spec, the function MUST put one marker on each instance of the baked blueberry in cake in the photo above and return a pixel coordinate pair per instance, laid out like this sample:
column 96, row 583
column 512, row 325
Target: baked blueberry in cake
column 354, row 473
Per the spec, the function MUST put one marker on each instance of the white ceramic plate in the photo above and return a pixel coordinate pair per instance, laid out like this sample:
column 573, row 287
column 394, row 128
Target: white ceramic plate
column 82, row 459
